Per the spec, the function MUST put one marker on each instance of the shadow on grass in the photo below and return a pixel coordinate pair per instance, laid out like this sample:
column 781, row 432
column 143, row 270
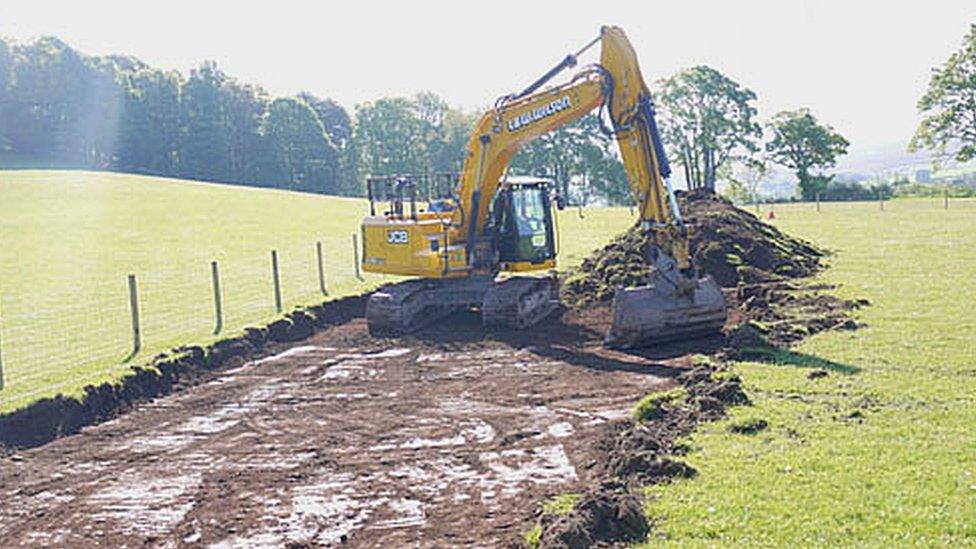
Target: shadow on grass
column 783, row 357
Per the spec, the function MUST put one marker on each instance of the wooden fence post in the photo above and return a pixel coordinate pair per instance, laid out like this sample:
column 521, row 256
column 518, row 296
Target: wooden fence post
column 277, row 281
column 355, row 251
column 818, row 201
column 134, row 307
column 881, row 200
column 945, row 198
column 318, row 253
column 218, row 309
column 1, row 344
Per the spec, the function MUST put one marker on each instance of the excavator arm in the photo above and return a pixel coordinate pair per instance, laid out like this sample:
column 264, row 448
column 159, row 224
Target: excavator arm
column 616, row 86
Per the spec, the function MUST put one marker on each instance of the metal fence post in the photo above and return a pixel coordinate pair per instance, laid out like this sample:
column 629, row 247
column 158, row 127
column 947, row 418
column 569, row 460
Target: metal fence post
column 134, row 306
column 355, row 251
column 818, row 201
column 218, row 309
column 318, row 254
column 277, row 282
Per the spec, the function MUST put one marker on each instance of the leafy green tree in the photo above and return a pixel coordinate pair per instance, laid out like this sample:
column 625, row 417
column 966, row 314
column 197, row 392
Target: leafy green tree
column 803, row 145
column 304, row 156
column 162, row 93
column 453, row 140
column 949, row 106
column 338, row 127
column 745, row 179
column 333, row 117
column 581, row 161
column 419, row 135
column 600, row 173
column 390, row 137
column 93, row 133
column 50, row 97
column 136, row 137
column 5, row 63
column 204, row 141
column 431, row 113
column 556, row 155
column 244, row 106
column 707, row 120
column 5, row 69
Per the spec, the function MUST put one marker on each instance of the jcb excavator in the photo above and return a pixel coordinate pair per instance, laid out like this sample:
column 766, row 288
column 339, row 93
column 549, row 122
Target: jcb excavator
column 491, row 224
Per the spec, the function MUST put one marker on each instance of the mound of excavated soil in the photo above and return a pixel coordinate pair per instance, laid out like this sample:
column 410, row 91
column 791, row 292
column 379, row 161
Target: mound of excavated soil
column 786, row 312
column 609, row 513
column 730, row 244
column 757, row 265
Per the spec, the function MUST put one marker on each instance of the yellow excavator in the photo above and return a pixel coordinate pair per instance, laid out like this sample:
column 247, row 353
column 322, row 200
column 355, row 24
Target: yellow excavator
column 465, row 239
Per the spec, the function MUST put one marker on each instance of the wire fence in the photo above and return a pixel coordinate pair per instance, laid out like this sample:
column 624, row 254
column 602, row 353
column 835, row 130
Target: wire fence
column 62, row 342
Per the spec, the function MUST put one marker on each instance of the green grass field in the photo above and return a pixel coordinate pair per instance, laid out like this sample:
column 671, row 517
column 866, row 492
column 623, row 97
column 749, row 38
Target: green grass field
column 885, row 456
column 68, row 239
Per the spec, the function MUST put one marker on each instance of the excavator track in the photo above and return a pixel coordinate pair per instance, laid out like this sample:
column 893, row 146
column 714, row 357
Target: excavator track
column 405, row 307
column 519, row 302
column 511, row 303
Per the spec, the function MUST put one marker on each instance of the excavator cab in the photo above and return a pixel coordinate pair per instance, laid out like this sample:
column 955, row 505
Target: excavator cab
column 522, row 223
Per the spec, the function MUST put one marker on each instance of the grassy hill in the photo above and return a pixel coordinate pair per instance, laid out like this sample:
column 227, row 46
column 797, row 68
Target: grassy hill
column 68, row 240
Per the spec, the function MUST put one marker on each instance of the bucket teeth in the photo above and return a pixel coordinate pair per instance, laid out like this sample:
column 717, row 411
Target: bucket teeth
column 656, row 313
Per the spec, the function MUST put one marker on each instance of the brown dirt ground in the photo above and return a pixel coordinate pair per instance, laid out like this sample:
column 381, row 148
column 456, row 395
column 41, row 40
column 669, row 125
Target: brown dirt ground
column 450, row 437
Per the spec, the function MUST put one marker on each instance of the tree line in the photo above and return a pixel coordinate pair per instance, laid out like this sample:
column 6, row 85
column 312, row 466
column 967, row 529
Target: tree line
column 61, row 108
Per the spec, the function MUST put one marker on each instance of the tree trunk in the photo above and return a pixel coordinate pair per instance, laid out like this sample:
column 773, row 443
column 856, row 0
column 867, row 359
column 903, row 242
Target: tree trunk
column 709, row 170
column 684, row 164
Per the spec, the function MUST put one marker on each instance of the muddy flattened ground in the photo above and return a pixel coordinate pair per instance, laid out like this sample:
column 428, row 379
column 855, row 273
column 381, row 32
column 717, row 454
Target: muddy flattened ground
column 447, row 438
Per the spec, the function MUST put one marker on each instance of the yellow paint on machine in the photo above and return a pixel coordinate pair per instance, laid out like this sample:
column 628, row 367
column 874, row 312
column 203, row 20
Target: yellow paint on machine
column 412, row 248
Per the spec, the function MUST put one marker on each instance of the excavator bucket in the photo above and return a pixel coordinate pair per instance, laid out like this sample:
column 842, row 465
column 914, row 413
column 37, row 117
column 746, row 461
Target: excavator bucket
column 659, row 312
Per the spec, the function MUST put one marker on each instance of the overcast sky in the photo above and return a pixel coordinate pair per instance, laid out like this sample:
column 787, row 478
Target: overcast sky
column 859, row 65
